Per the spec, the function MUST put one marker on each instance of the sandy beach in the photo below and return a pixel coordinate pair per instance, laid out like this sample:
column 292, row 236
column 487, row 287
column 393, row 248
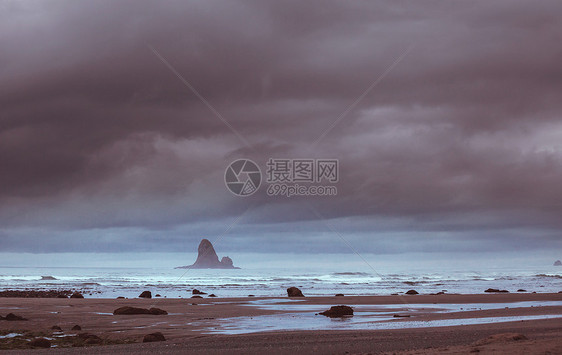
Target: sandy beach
column 412, row 324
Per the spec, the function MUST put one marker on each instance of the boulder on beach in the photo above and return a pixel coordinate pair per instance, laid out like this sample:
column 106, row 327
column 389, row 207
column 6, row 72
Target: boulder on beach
column 13, row 317
column 88, row 338
column 207, row 258
column 338, row 311
column 294, row 292
column 136, row 310
column 76, row 327
column 76, row 295
column 48, row 278
column 57, row 328
column 149, row 338
column 197, row 292
column 558, row 263
column 145, row 294
column 339, row 294
column 412, row 292
column 212, row 295
column 196, row 296
column 40, row 343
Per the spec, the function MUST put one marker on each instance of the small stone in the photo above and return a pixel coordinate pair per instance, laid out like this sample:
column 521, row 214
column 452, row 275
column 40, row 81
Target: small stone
column 152, row 337
column 40, row 343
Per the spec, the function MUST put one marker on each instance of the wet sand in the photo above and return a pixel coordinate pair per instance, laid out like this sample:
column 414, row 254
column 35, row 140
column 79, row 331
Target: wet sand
column 203, row 325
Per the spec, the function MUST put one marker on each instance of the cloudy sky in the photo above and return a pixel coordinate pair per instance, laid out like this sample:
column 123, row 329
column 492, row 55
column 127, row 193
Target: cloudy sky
column 118, row 120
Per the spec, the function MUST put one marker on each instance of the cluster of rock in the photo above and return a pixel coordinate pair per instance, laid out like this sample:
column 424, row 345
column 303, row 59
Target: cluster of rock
column 59, row 329
column 496, row 290
column 37, row 294
column 207, row 258
column 136, row 310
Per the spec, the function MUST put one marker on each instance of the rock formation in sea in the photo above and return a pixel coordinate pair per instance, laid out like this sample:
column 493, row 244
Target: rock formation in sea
column 294, row 292
column 207, row 258
column 558, row 263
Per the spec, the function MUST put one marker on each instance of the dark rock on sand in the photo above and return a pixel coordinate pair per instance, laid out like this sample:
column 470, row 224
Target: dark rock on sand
column 521, row 290
column 57, row 328
column 76, row 327
column 158, row 295
column 157, row 311
column 146, row 294
column 135, row 310
column 40, row 343
column 294, row 292
column 196, row 296
column 558, row 263
column 149, row 338
column 339, row 294
column 88, row 338
column 207, row 258
column 495, row 290
column 212, row 295
column 338, row 311
column 48, row 278
column 13, row 317
column 120, row 298
column 401, row 316
column 76, row 295
column 412, row 292
column 251, row 295
column 197, row 292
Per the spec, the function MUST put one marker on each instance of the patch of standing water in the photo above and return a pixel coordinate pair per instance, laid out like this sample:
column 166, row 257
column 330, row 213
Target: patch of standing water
column 301, row 316
column 433, row 307
column 243, row 325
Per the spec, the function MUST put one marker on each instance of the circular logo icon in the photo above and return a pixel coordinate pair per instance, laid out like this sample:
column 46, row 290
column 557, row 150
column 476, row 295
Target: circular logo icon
column 242, row 177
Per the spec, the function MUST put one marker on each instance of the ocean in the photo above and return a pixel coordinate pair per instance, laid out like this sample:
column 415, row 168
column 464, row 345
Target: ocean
column 112, row 275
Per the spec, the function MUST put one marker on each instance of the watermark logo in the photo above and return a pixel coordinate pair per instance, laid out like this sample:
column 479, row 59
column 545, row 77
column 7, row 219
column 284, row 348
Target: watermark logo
column 285, row 177
column 242, row 177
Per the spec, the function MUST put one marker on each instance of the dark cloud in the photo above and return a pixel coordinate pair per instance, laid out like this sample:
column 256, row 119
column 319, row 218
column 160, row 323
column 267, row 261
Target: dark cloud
column 460, row 139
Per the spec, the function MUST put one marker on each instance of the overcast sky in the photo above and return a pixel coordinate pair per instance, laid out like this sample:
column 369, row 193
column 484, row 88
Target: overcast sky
column 457, row 146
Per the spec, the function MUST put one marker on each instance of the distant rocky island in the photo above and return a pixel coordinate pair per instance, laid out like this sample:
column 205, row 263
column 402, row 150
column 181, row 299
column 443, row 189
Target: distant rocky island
column 558, row 263
column 207, row 258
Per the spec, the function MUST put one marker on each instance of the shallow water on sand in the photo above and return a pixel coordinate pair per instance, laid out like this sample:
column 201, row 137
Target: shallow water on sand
column 366, row 317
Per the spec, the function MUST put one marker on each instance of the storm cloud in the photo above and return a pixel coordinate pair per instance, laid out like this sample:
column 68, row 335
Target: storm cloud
column 458, row 145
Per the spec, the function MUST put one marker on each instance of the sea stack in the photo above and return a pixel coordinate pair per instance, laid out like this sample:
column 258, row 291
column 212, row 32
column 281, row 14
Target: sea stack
column 558, row 263
column 207, row 258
